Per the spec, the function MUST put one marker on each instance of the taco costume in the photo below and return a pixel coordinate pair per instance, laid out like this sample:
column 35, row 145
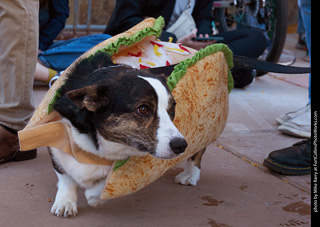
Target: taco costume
column 200, row 84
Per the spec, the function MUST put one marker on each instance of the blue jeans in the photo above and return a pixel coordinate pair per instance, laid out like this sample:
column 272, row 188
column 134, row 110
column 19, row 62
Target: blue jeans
column 305, row 10
column 62, row 53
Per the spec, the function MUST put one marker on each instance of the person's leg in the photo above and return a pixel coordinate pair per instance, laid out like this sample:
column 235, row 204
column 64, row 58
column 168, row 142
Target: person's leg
column 300, row 28
column 248, row 43
column 245, row 42
column 18, row 55
column 305, row 9
column 62, row 53
column 18, row 52
column 301, row 44
column 44, row 74
column 296, row 160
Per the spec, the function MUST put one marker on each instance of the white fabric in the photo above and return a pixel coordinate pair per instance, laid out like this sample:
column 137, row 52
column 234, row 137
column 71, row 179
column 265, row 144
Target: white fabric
column 179, row 7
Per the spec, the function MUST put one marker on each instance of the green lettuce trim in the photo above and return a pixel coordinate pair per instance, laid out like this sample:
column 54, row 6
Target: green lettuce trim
column 181, row 69
column 113, row 48
column 120, row 163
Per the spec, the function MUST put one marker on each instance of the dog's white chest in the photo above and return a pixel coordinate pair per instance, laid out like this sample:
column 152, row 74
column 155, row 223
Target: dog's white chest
column 85, row 175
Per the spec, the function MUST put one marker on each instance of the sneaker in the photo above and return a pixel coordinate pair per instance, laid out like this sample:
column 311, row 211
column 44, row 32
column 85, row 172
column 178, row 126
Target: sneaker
column 299, row 126
column 287, row 57
column 53, row 79
column 294, row 160
column 287, row 116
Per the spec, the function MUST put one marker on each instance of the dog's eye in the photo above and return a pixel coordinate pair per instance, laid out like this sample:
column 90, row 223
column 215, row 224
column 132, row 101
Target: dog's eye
column 143, row 110
column 173, row 108
column 172, row 111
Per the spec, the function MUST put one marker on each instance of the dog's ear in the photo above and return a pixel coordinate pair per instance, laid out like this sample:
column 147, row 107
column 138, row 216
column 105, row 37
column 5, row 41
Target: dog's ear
column 91, row 97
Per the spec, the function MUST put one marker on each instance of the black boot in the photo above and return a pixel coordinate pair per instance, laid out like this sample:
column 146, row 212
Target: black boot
column 294, row 160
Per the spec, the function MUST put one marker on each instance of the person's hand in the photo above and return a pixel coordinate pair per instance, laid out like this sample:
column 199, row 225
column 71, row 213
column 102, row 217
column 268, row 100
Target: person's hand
column 187, row 40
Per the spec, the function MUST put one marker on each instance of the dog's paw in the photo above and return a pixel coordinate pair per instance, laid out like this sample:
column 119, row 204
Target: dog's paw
column 190, row 176
column 93, row 194
column 93, row 202
column 186, row 179
column 64, row 208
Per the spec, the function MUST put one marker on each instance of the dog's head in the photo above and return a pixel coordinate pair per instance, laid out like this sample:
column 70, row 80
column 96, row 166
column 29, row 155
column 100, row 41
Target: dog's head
column 124, row 106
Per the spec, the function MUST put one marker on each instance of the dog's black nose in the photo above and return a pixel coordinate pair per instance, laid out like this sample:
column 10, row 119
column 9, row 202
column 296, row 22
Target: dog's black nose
column 178, row 145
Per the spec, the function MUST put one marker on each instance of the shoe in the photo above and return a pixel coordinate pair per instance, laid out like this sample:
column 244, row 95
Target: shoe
column 294, row 160
column 301, row 44
column 287, row 58
column 299, row 126
column 287, row 116
column 243, row 77
column 53, row 79
column 9, row 147
column 306, row 57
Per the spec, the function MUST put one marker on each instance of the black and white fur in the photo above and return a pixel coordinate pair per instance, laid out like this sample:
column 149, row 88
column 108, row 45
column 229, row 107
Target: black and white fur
column 115, row 112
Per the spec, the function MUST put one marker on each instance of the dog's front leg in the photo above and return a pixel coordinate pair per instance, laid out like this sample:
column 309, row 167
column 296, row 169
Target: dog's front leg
column 191, row 174
column 93, row 194
column 65, row 203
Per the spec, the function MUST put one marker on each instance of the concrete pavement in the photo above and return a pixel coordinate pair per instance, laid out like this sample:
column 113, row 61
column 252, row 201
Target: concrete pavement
column 235, row 189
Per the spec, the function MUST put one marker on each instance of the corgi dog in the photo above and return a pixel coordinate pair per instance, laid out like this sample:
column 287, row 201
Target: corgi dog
column 115, row 112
